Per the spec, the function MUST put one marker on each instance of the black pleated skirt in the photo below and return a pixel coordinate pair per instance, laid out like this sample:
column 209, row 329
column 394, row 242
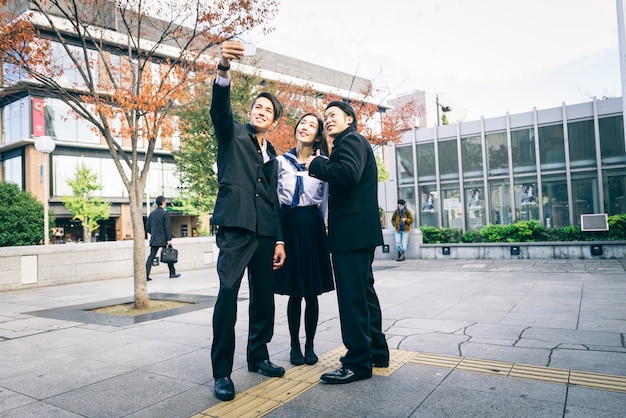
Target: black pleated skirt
column 307, row 270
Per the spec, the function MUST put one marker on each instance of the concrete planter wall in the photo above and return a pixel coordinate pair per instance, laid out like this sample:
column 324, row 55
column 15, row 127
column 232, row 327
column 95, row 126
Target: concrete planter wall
column 521, row 250
column 38, row 265
column 34, row 266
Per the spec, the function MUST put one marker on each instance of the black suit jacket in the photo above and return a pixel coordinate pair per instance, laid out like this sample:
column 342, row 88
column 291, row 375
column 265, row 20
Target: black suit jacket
column 159, row 226
column 247, row 195
column 352, row 175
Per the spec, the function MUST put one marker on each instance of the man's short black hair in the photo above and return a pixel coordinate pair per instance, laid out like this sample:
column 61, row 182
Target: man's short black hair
column 346, row 108
column 278, row 108
column 160, row 200
column 401, row 202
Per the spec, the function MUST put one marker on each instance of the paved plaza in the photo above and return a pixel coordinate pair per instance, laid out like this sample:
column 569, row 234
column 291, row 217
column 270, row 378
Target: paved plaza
column 469, row 338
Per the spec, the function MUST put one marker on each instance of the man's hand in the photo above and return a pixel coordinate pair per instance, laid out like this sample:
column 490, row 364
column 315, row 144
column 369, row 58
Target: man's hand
column 279, row 256
column 230, row 50
column 307, row 163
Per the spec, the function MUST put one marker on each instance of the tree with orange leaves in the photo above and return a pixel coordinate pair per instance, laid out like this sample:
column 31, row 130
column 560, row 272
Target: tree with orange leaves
column 133, row 64
column 377, row 125
column 198, row 151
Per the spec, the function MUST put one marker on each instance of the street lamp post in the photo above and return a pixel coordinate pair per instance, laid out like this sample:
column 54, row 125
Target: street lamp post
column 444, row 109
column 45, row 145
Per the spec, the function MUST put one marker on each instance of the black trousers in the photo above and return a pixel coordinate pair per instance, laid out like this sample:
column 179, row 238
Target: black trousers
column 152, row 256
column 359, row 311
column 241, row 249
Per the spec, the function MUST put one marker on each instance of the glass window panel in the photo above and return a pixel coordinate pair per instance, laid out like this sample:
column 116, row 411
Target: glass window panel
column 452, row 211
column 582, row 143
column 426, row 162
column 555, row 204
column 448, row 160
column 430, row 205
column 59, row 124
column 612, row 140
column 551, row 147
column 471, row 154
column 500, row 202
column 497, row 153
column 523, row 150
column 13, row 74
column 404, row 161
column 64, row 171
column 585, row 196
column 108, row 177
column 16, row 120
column 475, row 213
column 112, row 184
column 62, row 123
column 526, row 202
column 615, row 192
column 14, row 171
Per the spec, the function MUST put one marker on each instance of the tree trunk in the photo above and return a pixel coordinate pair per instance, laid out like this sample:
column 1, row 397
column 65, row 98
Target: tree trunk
column 86, row 234
column 139, row 245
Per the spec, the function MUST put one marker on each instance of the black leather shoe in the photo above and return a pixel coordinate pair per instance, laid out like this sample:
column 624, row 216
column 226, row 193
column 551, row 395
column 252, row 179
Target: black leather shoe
column 224, row 389
column 148, row 279
column 175, row 275
column 266, row 368
column 342, row 376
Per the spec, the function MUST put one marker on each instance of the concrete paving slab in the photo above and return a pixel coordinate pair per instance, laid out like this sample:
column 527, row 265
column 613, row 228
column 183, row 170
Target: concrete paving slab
column 565, row 314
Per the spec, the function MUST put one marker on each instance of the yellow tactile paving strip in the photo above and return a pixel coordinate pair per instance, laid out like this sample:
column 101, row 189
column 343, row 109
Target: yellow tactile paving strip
column 273, row 393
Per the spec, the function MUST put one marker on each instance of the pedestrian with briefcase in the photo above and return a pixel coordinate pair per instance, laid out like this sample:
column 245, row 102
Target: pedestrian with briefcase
column 159, row 226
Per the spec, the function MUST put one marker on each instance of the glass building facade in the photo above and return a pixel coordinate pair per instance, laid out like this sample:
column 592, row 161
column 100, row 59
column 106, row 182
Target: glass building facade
column 550, row 165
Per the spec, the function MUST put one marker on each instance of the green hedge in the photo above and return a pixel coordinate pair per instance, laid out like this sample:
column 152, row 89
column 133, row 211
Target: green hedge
column 525, row 231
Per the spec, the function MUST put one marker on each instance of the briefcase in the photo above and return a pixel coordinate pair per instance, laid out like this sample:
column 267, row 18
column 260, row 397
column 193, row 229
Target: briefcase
column 169, row 255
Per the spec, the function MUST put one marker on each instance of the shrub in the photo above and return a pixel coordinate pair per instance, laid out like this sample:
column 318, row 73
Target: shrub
column 525, row 231
column 21, row 217
column 432, row 235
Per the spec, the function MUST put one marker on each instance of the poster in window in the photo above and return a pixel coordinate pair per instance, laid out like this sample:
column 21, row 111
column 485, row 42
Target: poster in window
column 475, row 199
column 528, row 194
column 428, row 203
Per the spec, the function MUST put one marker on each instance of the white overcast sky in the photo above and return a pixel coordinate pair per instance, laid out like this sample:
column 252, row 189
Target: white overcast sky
column 489, row 56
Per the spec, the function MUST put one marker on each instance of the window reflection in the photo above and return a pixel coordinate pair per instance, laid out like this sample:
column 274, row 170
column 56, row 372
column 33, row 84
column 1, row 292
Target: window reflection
column 555, row 205
column 430, row 204
column 582, row 143
column 612, row 140
column 551, row 147
column 526, row 203
column 475, row 213
column 523, row 150
column 497, row 153
column 452, row 210
column 471, row 154
column 500, row 203
column 404, row 161
column 448, row 160
column 615, row 191
column 426, row 162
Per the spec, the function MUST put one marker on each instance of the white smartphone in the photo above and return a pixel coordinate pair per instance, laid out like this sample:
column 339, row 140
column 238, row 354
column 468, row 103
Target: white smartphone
column 249, row 49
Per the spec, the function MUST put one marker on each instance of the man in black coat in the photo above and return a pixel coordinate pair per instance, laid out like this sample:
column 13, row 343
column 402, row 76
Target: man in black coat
column 159, row 226
column 249, row 234
column 354, row 232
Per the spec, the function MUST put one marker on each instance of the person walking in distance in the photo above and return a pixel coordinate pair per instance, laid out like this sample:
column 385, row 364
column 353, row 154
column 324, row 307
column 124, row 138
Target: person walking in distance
column 354, row 232
column 249, row 233
column 306, row 272
column 159, row 226
column 402, row 219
